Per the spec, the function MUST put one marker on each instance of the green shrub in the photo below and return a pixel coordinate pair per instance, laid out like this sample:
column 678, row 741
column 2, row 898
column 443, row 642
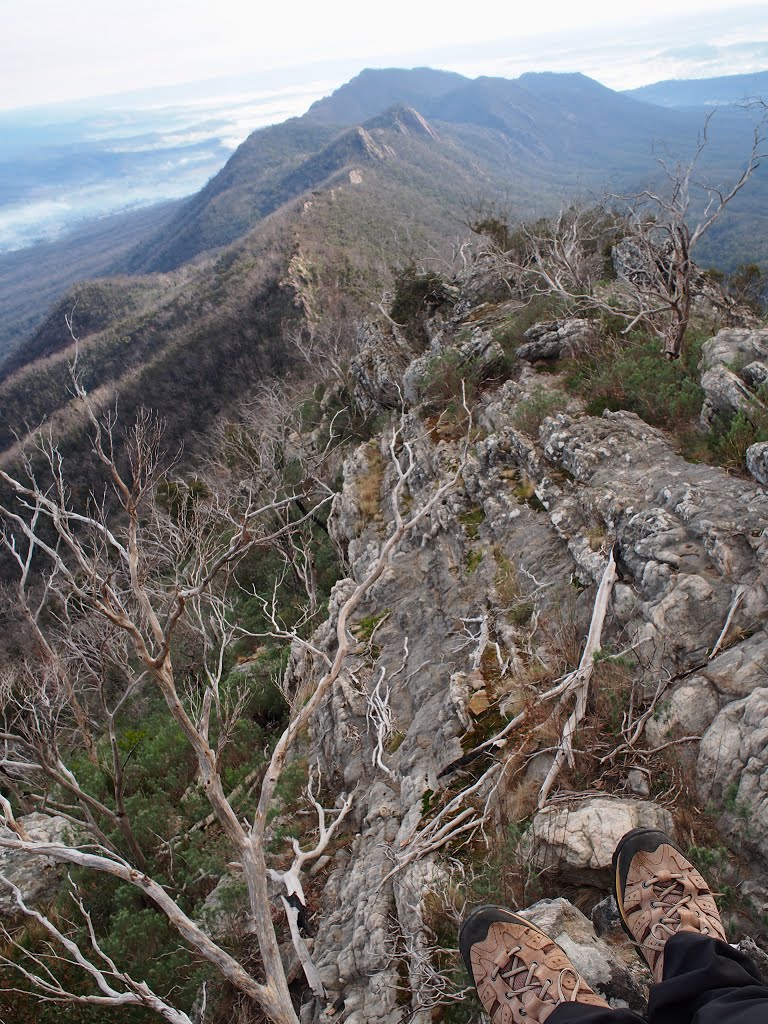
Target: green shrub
column 632, row 374
column 450, row 379
column 531, row 412
column 366, row 627
column 732, row 434
column 472, row 520
column 474, row 558
column 496, row 229
column 747, row 285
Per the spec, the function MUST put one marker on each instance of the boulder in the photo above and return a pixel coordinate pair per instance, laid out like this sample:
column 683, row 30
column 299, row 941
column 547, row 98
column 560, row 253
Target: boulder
column 577, row 840
column 550, row 340
column 637, row 782
column 724, row 392
column 607, row 920
column 377, row 369
column 38, row 878
column 735, row 346
column 609, row 965
column 757, row 461
column 755, row 374
column 739, row 669
column 756, row 954
column 481, row 285
column 688, row 710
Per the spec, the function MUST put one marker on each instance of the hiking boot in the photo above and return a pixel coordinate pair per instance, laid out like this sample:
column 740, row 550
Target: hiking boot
column 659, row 893
column 521, row 975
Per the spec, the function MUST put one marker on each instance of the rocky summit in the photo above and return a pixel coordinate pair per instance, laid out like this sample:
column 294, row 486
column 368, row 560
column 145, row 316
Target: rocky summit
column 478, row 614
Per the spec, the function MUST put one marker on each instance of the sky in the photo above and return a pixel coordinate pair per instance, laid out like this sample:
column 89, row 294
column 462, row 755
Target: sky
column 54, row 51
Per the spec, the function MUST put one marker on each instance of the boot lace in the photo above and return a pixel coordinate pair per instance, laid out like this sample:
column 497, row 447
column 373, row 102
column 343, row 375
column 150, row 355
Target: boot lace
column 521, row 979
column 670, row 897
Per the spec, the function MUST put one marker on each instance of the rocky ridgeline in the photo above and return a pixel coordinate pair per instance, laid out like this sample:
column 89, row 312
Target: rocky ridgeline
column 474, row 616
column 484, row 607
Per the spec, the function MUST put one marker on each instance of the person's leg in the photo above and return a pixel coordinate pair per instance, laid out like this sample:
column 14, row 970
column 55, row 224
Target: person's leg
column 523, row 977
column 706, row 981
column 668, row 911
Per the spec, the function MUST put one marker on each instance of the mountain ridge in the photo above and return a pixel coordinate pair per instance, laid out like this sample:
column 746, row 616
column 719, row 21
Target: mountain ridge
column 539, row 138
column 542, row 133
column 706, row 92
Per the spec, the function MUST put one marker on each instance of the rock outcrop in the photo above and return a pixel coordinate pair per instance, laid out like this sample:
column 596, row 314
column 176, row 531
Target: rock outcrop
column 725, row 393
column 757, row 461
column 554, row 339
column 576, row 839
column 37, row 878
column 479, row 600
column 735, row 346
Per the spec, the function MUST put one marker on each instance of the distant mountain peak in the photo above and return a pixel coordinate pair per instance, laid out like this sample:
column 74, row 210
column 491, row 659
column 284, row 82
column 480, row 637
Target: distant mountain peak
column 405, row 119
column 376, row 89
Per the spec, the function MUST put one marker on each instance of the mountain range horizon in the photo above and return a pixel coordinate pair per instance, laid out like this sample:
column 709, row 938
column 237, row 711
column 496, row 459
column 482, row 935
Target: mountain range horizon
column 155, row 145
column 542, row 138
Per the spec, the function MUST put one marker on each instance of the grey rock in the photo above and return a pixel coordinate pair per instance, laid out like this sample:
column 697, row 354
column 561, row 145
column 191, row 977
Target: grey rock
column 377, row 369
column 482, row 287
column 738, row 670
column 38, row 878
column 578, row 839
column 223, row 912
column 606, row 918
column 687, row 710
column 482, row 352
column 755, row 374
column 735, row 346
column 757, row 461
column 733, row 770
column 550, row 340
column 637, row 783
column 724, row 392
column 631, row 262
column 686, row 536
column 756, row 954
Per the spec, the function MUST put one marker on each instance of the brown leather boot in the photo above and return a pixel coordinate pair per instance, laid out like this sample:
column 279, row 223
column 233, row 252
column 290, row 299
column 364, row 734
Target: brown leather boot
column 659, row 892
column 521, row 974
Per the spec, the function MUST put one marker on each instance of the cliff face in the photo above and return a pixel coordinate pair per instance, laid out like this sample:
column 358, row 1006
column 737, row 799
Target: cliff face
column 483, row 611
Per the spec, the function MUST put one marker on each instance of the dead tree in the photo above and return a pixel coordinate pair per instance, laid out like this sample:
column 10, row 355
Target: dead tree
column 657, row 232
column 664, row 229
column 108, row 599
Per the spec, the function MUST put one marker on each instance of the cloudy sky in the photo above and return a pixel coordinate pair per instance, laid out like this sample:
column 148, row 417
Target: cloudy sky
column 58, row 51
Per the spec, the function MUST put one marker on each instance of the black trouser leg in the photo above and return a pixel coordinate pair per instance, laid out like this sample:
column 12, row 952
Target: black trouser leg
column 707, row 982
column 578, row 1013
